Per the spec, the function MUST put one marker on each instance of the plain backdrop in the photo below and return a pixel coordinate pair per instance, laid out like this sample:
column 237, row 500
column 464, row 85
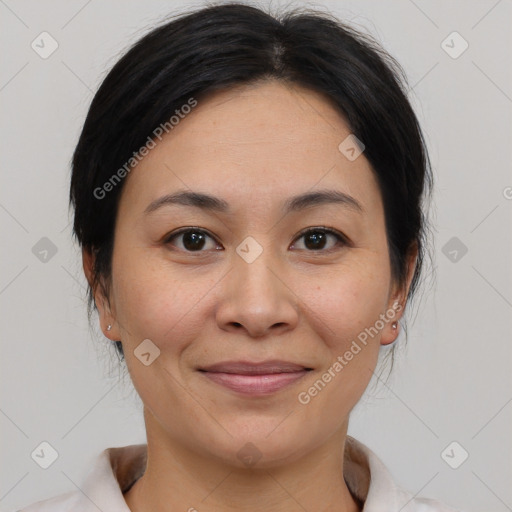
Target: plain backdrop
column 452, row 382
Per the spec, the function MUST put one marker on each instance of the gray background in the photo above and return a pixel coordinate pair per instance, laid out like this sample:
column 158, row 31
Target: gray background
column 452, row 382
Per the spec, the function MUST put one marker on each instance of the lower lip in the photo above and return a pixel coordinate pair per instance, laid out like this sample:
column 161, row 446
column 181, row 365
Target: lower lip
column 255, row 384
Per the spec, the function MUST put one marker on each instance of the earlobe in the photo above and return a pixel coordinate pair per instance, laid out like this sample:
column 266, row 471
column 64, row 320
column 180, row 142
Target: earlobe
column 106, row 317
column 399, row 299
column 107, row 320
column 391, row 333
column 393, row 314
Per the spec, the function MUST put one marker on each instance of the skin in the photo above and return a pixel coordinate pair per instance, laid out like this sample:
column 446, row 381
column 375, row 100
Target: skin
column 253, row 146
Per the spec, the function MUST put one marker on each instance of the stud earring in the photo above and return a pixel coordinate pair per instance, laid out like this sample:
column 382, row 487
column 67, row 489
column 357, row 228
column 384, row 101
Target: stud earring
column 394, row 325
column 109, row 327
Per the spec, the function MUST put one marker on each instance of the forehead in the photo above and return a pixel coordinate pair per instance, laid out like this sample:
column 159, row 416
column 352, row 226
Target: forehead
column 259, row 143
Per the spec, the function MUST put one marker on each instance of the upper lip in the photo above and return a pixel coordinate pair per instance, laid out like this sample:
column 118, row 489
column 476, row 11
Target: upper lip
column 252, row 368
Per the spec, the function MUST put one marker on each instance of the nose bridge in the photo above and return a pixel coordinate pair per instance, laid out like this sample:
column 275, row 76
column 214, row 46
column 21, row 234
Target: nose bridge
column 256, row 297
column 255, row 267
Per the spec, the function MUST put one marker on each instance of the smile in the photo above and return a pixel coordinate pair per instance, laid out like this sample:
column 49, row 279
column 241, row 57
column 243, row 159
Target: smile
column 255, row 378
column 260, row 384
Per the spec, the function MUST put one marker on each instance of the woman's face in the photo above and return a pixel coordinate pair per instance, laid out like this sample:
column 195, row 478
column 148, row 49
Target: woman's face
column 245, row 283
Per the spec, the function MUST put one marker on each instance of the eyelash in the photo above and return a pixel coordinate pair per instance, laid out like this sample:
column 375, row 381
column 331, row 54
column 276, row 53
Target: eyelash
column 341, row 239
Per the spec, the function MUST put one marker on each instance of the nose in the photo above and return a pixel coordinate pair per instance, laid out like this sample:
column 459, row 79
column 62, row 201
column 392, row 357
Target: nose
column 257, row 298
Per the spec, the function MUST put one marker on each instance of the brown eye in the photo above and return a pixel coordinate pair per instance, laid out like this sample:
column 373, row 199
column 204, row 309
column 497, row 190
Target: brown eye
column 317, row 239
column 192, row 239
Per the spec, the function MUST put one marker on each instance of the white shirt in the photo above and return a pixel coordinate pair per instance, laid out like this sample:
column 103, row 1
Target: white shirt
column 116, row 469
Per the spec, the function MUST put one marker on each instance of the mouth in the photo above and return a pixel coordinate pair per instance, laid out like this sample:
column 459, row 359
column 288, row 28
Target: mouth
column 252, row 378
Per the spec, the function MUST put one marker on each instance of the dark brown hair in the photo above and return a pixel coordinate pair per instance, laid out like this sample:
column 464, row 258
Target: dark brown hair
column 220, row 46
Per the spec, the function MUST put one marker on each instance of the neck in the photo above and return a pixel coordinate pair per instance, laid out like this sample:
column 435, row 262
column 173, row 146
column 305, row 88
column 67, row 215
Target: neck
column 177, row 478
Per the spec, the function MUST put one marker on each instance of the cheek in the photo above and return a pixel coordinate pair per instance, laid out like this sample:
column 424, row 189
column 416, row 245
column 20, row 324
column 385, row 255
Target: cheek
column 346, row 302
column 157, row 302
column 342, row 314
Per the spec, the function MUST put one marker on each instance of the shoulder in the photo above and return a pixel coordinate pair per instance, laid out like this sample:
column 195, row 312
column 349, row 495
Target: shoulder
column 372, row 482
column 415, row 504
column 112, row 471
column 61, row 503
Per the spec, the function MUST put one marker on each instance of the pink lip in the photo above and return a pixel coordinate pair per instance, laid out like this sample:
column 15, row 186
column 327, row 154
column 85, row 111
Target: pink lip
column 255, row 378
column 255, row 384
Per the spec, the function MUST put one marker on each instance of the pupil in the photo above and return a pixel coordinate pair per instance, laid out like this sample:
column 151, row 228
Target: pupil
column 193, row 240
column 318, row 240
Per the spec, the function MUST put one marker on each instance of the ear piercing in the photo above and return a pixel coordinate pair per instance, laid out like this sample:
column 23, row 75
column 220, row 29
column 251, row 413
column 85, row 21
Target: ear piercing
column 394, row 325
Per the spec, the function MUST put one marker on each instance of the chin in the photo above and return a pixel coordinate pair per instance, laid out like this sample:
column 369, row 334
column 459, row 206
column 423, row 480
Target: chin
column 263, row 445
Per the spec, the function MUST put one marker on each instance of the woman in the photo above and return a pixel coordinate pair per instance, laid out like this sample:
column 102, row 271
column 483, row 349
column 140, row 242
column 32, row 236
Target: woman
column 247, row 195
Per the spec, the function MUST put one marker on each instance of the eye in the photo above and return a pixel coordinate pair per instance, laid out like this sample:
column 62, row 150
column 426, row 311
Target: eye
column 192, row 239
column 315, row 239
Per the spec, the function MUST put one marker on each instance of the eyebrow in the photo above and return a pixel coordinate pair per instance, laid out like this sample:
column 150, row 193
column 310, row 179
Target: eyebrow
column 293, row 204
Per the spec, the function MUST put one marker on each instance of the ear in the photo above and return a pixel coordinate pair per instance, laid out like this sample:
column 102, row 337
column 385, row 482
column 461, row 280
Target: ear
column 398, row 299
column 107, row 316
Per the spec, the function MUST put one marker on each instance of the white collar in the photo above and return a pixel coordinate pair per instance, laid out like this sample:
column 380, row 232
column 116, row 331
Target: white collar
column 116, row 468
